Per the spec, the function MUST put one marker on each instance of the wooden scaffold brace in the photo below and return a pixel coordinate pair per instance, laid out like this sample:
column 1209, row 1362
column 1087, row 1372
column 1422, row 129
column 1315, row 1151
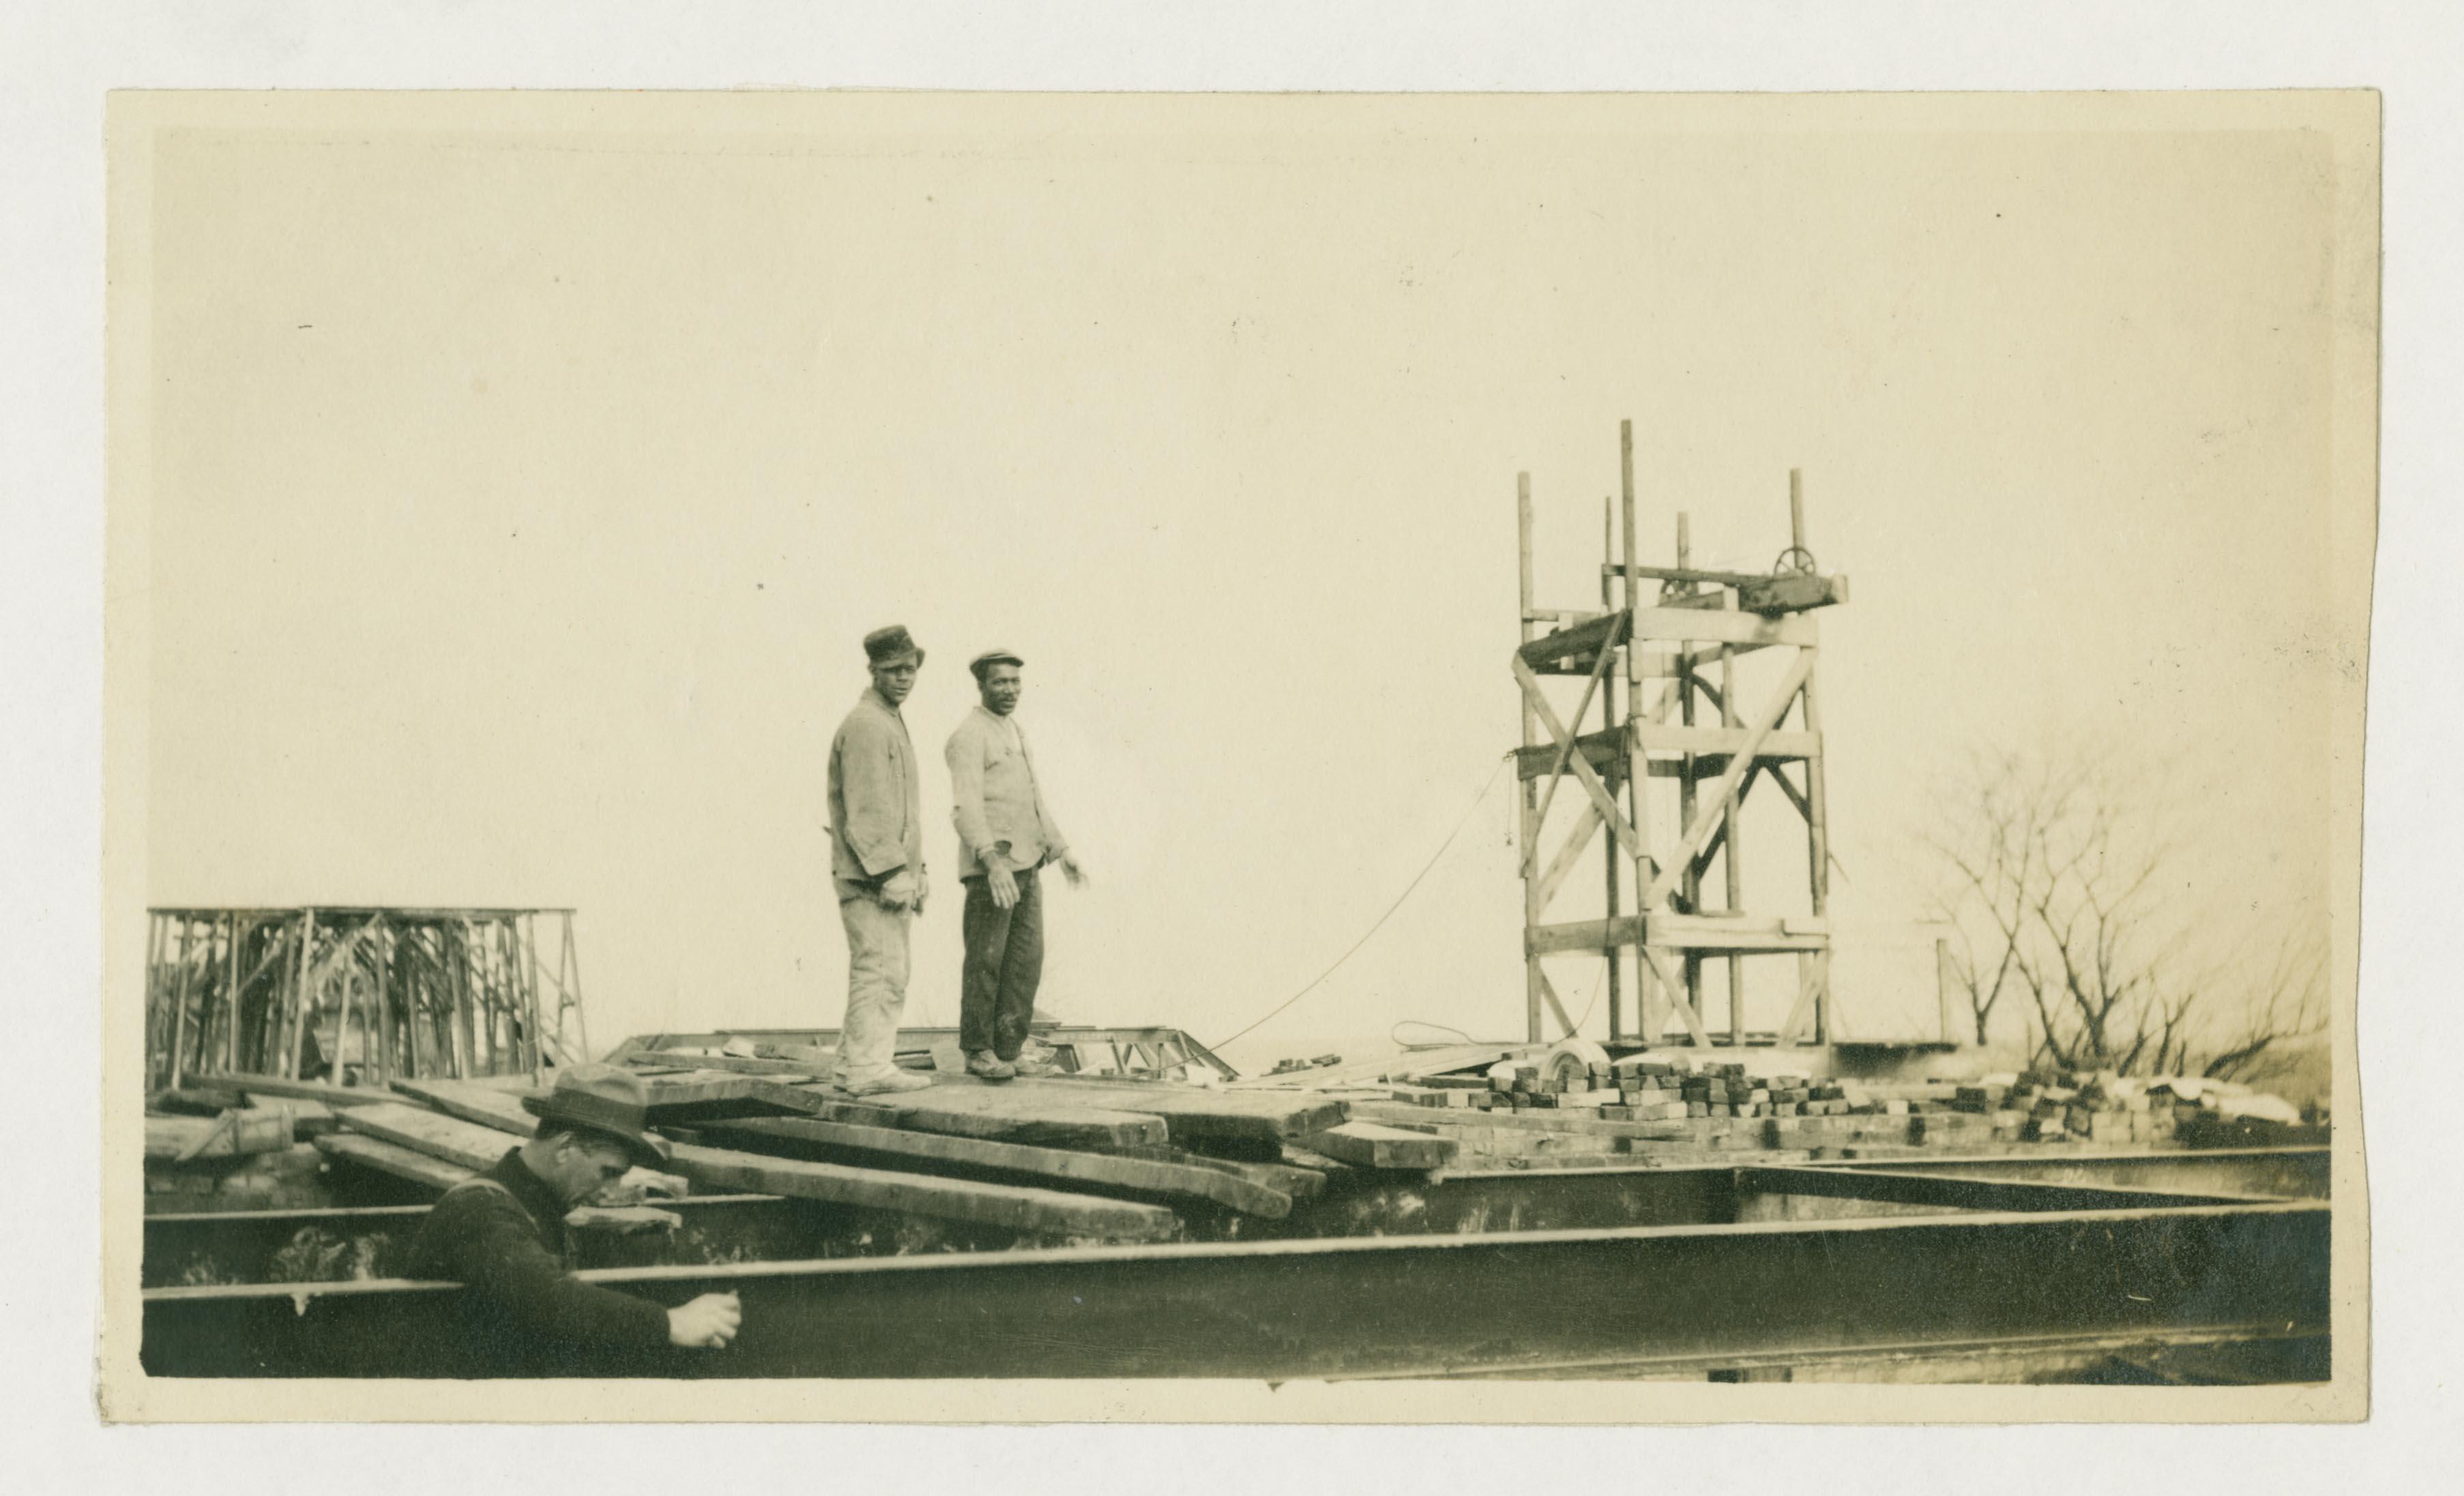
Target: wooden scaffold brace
column 1653, row 664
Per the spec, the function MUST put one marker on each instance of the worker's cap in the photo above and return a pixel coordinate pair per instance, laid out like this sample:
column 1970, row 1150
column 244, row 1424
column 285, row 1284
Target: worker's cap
column 609, row 1101
column 991, row 657
column 889, row 646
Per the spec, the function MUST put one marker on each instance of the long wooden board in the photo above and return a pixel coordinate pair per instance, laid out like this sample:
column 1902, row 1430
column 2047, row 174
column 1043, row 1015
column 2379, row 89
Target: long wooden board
column 393, row 1158
column 998, row 1114
column 256, row 1130
column 1281, row 1178
column 471, row 1145
column 472, row 1102
column 1192, row 1114
column 1016, row 1207
column 1372, row 1145
column 1093, row 1171
column 278, row 1086
column 737, row 1064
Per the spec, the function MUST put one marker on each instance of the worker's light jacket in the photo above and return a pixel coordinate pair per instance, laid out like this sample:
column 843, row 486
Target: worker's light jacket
column 876, row 815
column 1000, row 806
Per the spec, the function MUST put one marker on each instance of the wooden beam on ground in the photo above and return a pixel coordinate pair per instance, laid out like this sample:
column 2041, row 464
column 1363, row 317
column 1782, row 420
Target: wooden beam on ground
column 468, row 1145
column 1372, row 1145
column 402, row 1163
column 1100, row 1171
column 697, row 1096
column 485, row 1105
column 739, row 1063
column 233, row 1134
column 1015, row 1207
column 257, row 1085
column 1190, row 1112
column 1281, row 1178
column 976, row 1110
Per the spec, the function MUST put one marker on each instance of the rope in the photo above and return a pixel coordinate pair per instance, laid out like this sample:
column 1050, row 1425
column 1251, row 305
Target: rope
column 1382, row 918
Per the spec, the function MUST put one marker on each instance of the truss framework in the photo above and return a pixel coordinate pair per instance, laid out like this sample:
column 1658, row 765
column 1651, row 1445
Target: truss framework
column 1650, row 662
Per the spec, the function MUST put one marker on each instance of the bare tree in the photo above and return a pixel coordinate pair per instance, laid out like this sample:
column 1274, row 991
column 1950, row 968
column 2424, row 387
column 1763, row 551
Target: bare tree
column 2059, row 873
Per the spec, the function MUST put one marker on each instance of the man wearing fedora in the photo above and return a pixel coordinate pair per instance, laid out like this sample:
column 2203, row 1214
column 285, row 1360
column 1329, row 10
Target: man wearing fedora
column 877, row 864
column 1005, row 834
column 502, row 1235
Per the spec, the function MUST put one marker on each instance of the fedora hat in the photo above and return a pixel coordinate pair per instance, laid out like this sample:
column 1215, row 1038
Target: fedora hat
column 607, row 1100
column 882, row 646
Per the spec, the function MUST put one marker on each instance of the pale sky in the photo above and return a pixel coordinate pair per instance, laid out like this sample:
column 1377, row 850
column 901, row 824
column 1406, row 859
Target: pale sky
column 518, row 499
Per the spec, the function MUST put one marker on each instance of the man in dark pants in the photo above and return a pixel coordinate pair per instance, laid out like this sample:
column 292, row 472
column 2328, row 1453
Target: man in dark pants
column 502, row 1235
column 1006, row 833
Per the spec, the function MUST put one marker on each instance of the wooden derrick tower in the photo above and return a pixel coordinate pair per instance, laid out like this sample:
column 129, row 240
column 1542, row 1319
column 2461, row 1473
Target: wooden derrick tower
column 1664, row 667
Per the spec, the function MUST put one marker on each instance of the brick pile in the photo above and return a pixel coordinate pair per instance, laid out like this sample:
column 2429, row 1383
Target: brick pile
column 2066, row 1105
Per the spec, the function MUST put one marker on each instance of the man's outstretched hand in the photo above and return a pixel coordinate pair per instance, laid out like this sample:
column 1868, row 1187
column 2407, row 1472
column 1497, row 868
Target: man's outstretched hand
column 1070, row 871
column 707, row 1323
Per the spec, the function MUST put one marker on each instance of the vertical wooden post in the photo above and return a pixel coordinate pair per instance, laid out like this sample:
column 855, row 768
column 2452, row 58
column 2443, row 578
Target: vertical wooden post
column 382, row 934
column 1532, row 978
column 180, row 1004
column 335, row 1063
column 230, row 1046
column 1732, row 871
column 1637, row 758
column 526, row 935
column 306, row 967
column 569, row 962
column 1687, row 772
column 1816, row 804
column 1613, row 954
column 465, row 1041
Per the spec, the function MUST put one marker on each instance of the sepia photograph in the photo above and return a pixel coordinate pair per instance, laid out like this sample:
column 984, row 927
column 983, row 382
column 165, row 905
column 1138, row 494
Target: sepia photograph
column 917, row 756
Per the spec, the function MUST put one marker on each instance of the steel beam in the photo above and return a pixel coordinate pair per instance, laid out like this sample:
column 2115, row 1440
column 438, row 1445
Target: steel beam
column 2286, row 1173
column 1417, row 1306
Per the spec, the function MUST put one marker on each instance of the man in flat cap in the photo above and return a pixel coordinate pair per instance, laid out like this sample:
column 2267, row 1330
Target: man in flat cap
column 877, row 862
column 502, row 1235
column 1005, row 834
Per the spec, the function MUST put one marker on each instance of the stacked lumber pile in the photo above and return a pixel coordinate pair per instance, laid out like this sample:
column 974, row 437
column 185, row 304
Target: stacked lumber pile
column 1043, row 1159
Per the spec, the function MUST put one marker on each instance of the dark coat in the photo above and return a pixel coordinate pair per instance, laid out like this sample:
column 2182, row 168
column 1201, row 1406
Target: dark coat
column 502, row 1236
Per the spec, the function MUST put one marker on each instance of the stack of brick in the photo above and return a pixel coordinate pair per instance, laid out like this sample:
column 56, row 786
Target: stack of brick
column 2063, row 1106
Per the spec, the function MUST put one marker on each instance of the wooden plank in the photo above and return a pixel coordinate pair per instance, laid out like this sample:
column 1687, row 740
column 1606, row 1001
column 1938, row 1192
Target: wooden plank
column 257, row 1085
column 1193, row 1113
column 1015, row 1207
column 1096, row 1171
column 392, row 1159
column 471, row 1145
column 1585, row 934
column 1376, row 1146
column 737, row 1064
column 260, row 1129
column 485, row 1105
column 1281, row 1178
column 695, row 1096
column 977, row 1111
column 1584, row 639
column 1682, row 624
column 1721, row 741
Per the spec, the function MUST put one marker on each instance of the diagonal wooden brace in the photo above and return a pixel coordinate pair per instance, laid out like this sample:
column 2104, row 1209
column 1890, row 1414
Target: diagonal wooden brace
column 1568, row 855
column 1601, row 800
column 1549, row 990
column 1590, row 688
column 1715, row 804
column 1676, row 993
